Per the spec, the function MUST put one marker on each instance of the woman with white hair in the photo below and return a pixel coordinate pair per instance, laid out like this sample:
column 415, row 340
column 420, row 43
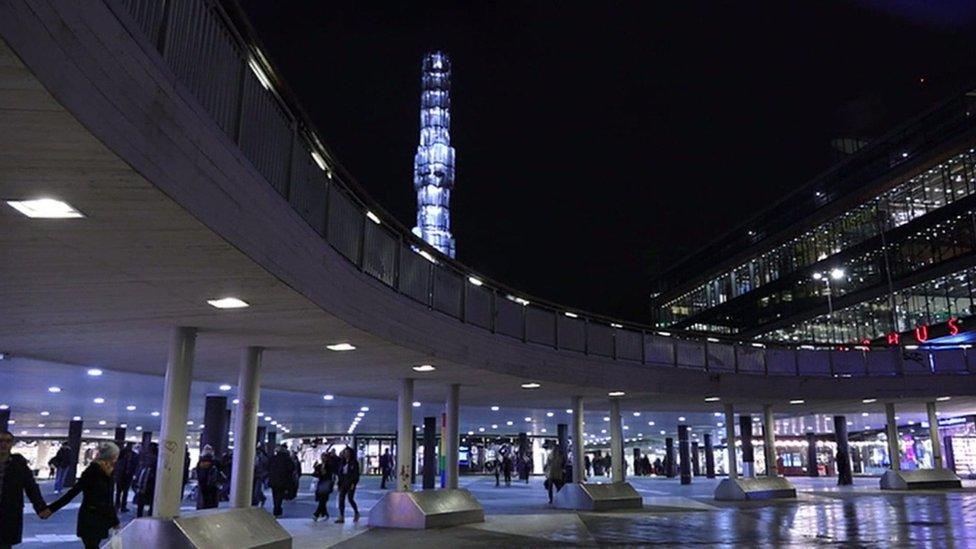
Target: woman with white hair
column 97, row 513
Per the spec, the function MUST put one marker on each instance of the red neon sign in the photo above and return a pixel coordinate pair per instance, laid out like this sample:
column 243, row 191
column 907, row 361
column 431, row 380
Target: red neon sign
column 953, row 326
column 922, row 334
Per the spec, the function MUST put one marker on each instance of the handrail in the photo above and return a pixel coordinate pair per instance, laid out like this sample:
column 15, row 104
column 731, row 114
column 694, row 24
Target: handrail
column 262, row 116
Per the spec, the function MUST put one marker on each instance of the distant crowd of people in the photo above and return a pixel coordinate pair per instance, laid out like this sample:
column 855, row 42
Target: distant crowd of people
column 113, row 472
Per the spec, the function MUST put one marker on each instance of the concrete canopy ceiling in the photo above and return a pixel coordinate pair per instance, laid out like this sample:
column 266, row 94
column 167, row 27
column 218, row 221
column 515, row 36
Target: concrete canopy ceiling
column 155, row 244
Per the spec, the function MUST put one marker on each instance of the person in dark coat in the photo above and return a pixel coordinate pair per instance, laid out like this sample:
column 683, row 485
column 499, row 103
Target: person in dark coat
column 125, row 469
column 281, row 470
column 61, row 461
column 348, row 479
column 16, row 480
column 208, row 480
column 96, row 516
column 186, row 471
column 386, row 467
column 260, row 476
column 144, row 483
column 325, row 474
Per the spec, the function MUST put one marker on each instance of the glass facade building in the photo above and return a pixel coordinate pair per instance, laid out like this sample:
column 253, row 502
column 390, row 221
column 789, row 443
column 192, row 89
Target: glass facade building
column 872, row 250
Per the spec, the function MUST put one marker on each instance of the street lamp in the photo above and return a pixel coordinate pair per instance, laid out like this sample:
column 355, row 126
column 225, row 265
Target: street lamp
column 836, row 274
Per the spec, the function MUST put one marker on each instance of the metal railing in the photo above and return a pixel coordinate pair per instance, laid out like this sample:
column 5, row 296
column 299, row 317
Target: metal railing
column 215, row 54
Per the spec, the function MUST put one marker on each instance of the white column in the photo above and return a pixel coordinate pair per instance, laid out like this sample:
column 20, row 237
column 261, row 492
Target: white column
column 172, row 433
column 579, row 471
column 405, row 436
column 730, row 440
column 450, row 435
column 616, row 443
column 769, row 436
column 934, row 434
column 891, row 428
column 246, row 427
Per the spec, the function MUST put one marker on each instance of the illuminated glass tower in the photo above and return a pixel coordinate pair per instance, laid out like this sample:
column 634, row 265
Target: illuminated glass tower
column 433, row 166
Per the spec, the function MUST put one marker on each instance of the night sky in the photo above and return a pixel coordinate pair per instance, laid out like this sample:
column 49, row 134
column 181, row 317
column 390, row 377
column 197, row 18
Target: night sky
column 599, row 142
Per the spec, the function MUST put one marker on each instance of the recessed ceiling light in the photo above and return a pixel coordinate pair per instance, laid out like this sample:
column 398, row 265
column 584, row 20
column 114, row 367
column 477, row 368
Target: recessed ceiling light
column 509, row 423
column 98, row 400
column 235, row 401
column 636, row 414
column 154, row 414
column 569, row 410
column 228, row 303
column 797, row 401
column 616, row 393
column 869, row 400
column 651, row 423
column 124, row 425
column 943, row 399
column 424, row 368
column 681, row 418
column 475, row 281
column 138, row 427
column 416, row 404
column 45, row 208
column 94, row 372
column 76, row 418
column 45, row 413
column 189, row 422
column 327, row 397
column 54, row 389
column 527, row 418
column 4, row 406
column 360, row 414
column 531, row 385
column 225, row 387
column 102, row 422
column 341, row 347
column 373, row 217
column 712, row 399
column 495, row 408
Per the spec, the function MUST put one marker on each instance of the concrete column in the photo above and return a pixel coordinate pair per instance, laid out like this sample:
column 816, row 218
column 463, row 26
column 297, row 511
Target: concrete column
column 812, row 469
column 413, row 453
column 214, row 428
column 669, row 457
column 430, row 451
column 119, row 436
column 172, row 435
column 74, row 442
column 5, row 419
column 709, row 457
column 405, row 436
column 684, row 453
column 745, row 436
column 245, row 427
column 228, row 425
column 616, row 443
column 695, row 465
column 146, row 439
column 562, row 442
column 769, row 434
column 730, row 438
column 934, row 434
column 891, row 428
column 579, row 469
column 843, row 457
column 450, row 433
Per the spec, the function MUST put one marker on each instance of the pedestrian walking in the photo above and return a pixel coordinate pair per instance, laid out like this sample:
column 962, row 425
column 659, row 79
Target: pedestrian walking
column 281, row 470
column 125, row 469
column 386, row 468
column 61, row 461
column 555, row 466
column 16, row 481
column 209, row 479
column 325, row 474
column 144, row 483
column 260, row 476
column 348, row 479
column 96, row 516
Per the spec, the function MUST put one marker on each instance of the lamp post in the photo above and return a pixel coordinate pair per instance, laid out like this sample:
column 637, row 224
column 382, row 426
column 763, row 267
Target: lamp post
column 835, row 274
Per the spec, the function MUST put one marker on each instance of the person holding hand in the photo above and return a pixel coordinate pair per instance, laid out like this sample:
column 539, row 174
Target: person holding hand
column 16, row 480
column 97, row 513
